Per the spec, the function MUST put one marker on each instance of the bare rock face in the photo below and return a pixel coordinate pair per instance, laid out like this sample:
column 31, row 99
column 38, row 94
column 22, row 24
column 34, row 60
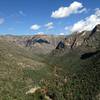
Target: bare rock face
column 45, row 43
column 38, row 39
column 96, row 29
column 84, row 41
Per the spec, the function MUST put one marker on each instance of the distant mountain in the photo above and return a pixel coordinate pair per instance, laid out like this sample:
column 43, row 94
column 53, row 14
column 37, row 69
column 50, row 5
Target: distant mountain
column 18, row 40
column 38, row 43
column 43, row 43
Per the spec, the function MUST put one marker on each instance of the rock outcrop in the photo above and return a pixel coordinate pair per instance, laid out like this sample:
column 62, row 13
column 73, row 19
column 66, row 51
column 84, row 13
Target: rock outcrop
column 43, row 43
column 84, row 41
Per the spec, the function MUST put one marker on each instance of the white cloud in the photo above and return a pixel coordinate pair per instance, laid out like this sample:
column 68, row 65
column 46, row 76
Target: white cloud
column 35, row 27
column 2, row 20
column 61, row 33
column 88, row 23
column 74, row 8
column 49, row 25
column 66, row 28
column 40, row 33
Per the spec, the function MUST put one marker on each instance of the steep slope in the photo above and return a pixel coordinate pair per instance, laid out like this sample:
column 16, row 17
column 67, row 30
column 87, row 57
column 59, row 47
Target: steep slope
column 84, row 41
column 76, row 67
column 76, row 78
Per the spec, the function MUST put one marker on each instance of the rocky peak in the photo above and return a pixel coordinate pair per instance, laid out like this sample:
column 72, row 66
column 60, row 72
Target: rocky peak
column 86, row 39
column 97, row 28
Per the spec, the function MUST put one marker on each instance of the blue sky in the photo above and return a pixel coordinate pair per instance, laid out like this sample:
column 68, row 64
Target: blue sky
column 27, row 17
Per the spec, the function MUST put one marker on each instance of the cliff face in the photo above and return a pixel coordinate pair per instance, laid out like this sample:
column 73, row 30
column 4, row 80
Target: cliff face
column 43, row 43
column 84, row 41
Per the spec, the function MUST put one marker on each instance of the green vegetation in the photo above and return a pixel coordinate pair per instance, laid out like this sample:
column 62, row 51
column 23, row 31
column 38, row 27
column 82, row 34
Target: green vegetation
column 77, row 79
column 65, row 77
column 20, row 70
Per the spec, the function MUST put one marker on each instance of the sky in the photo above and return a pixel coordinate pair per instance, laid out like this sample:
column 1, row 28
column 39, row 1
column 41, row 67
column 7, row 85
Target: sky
column 58, row 17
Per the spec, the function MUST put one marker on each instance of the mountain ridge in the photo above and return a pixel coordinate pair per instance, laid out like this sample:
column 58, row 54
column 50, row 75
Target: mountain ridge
column 79, row 41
